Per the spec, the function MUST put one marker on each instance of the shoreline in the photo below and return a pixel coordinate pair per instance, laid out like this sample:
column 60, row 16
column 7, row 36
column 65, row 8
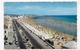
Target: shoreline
column 48, row 30
column 69, row 28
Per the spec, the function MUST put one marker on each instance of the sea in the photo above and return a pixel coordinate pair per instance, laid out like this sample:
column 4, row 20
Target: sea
column 61, row 23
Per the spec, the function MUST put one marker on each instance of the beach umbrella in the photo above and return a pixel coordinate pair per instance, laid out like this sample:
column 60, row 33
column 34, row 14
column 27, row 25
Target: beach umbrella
column 74, row 39
column 56, row 37
column 62, row 37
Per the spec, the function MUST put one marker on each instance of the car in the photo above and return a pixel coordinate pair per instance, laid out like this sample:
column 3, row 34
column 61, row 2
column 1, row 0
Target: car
column 6, row 43
column 13, row 30
column 10, row 43
column 18, row 47
column 16, row 42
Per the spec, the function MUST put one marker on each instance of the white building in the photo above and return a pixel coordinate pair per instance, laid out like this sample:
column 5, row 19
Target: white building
column 70, row 45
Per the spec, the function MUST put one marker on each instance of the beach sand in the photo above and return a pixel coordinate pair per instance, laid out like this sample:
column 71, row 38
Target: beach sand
column 50, row 32
column 31, row 21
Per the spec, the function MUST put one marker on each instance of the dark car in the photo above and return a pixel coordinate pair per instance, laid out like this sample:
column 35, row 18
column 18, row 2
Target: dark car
column 10, row 43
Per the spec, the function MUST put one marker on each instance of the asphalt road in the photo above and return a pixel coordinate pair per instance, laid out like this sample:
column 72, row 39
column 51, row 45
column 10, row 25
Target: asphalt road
column 35, row 42
column 20, row 40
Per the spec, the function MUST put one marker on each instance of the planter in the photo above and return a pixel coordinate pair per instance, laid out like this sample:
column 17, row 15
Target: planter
column 32, row 47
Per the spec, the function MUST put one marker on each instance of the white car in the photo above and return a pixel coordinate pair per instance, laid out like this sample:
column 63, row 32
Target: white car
column 16, row 42
column 6, row 43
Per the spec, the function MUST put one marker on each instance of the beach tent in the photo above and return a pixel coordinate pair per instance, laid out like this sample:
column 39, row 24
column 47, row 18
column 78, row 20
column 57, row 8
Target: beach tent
column 47, row 36
column 74, row 39
column 59, row 43
column 70, row 45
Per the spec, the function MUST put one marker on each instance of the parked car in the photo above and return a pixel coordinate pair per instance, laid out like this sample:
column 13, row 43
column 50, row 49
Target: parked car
column 16, row 42
column 6, row 43
column 10, row 43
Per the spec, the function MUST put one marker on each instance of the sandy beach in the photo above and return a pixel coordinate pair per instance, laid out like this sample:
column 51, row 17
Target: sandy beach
column 55, row 35
column 37, row 26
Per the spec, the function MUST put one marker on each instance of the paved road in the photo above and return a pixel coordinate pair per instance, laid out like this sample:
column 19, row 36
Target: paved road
column 21, row 43
column 36, row 41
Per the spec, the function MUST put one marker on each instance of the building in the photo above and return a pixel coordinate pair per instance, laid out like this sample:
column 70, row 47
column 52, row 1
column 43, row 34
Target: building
column 70, row 45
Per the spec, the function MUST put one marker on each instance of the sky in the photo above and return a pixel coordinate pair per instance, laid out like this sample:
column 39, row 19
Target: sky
column 41, row 8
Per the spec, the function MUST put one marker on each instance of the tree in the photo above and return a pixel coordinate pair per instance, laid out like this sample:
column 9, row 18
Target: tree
column 22, row 32
column 5, row 38
column 25, row 36
column 5, row 31
column 27, row 39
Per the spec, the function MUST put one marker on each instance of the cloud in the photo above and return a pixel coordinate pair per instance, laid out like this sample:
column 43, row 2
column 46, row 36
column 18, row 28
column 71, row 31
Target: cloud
column 7, row 7
column 46, row 10
column 29, row 7
column 49, row 9
column 38, row 7
column 64, row 10
column 24, row 7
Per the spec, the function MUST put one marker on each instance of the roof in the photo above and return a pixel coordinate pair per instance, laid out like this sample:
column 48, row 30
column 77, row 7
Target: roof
column 70, row 45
